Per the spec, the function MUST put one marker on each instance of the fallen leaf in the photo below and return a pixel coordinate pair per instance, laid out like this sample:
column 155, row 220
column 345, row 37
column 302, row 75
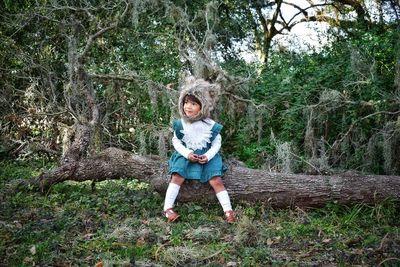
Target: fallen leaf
column 357, row 251
column 140, row 242
column 33, row 250
column 28, row 259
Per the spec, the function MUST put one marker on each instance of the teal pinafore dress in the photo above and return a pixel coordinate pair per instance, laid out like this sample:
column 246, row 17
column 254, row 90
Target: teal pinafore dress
column 193, row 170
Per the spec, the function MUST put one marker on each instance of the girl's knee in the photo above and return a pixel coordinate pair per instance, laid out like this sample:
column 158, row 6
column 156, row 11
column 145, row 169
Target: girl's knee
column 216, row 182
column 177, row 179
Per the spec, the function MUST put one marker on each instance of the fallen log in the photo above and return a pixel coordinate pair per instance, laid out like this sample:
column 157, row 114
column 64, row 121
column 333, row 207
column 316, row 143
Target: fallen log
column 244, row 184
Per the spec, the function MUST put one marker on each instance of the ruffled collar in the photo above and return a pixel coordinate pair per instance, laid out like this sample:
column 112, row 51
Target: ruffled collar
column 197, row 135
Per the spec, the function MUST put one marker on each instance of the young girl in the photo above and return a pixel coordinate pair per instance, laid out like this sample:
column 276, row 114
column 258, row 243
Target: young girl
column 197, row 141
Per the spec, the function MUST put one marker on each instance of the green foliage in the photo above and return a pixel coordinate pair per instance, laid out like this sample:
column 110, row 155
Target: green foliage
column 337, row 98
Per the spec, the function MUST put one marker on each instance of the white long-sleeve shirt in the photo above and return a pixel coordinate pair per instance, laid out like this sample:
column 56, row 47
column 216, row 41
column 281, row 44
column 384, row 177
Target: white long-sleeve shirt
column 196, row 135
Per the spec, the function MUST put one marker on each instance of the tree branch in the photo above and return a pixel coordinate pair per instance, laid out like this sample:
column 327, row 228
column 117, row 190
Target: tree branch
column 338, row 142
column 102, row 31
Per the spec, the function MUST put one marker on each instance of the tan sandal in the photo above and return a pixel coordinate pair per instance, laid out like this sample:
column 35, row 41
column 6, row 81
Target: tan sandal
column 171, row 215
column 230, row 216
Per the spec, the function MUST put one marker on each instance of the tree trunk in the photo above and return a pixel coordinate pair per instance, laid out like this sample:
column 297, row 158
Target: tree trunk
column 243, row 184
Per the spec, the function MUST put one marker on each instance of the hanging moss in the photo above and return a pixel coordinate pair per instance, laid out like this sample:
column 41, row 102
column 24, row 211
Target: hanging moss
column 284, row 157
column 143, row 145
column 162, row 148
column 374, row 156
column 391, row 148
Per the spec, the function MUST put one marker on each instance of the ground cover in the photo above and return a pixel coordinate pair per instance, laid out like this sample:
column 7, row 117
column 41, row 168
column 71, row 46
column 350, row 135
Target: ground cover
column 120, row 224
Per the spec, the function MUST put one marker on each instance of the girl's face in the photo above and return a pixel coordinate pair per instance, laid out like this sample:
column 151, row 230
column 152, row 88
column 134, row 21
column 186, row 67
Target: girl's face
column 191, row 108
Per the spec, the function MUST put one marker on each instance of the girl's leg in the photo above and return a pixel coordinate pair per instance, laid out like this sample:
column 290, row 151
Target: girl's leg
column 223, row 198
column 170, row 196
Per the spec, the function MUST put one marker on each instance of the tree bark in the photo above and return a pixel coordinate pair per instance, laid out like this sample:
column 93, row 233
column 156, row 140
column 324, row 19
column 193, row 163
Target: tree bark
column 243, row 184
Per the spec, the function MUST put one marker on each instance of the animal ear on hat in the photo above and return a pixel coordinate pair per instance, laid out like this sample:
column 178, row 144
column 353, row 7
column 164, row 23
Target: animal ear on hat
column 214, row 90
column 189, row 80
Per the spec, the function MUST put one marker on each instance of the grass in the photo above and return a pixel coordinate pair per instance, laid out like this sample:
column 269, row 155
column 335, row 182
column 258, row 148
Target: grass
column 120, row 224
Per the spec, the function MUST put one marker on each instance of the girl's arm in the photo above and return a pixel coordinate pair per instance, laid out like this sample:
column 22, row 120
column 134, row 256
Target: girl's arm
column 215, row 147
column 180, row 148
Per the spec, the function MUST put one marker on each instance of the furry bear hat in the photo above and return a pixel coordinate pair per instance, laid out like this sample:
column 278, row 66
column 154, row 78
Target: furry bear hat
column 204, row 91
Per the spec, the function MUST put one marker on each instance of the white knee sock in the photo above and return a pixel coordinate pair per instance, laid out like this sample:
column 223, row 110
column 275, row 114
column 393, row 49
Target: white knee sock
column 170, row 195
column 224, row 200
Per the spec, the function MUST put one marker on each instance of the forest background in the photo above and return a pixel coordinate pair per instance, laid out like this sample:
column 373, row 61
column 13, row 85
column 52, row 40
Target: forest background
column 297, row 110
column 286, row 105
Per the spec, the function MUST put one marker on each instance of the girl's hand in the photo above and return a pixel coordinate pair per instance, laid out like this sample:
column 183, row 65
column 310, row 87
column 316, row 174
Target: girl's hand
column 193, row 157
column 203, row 159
